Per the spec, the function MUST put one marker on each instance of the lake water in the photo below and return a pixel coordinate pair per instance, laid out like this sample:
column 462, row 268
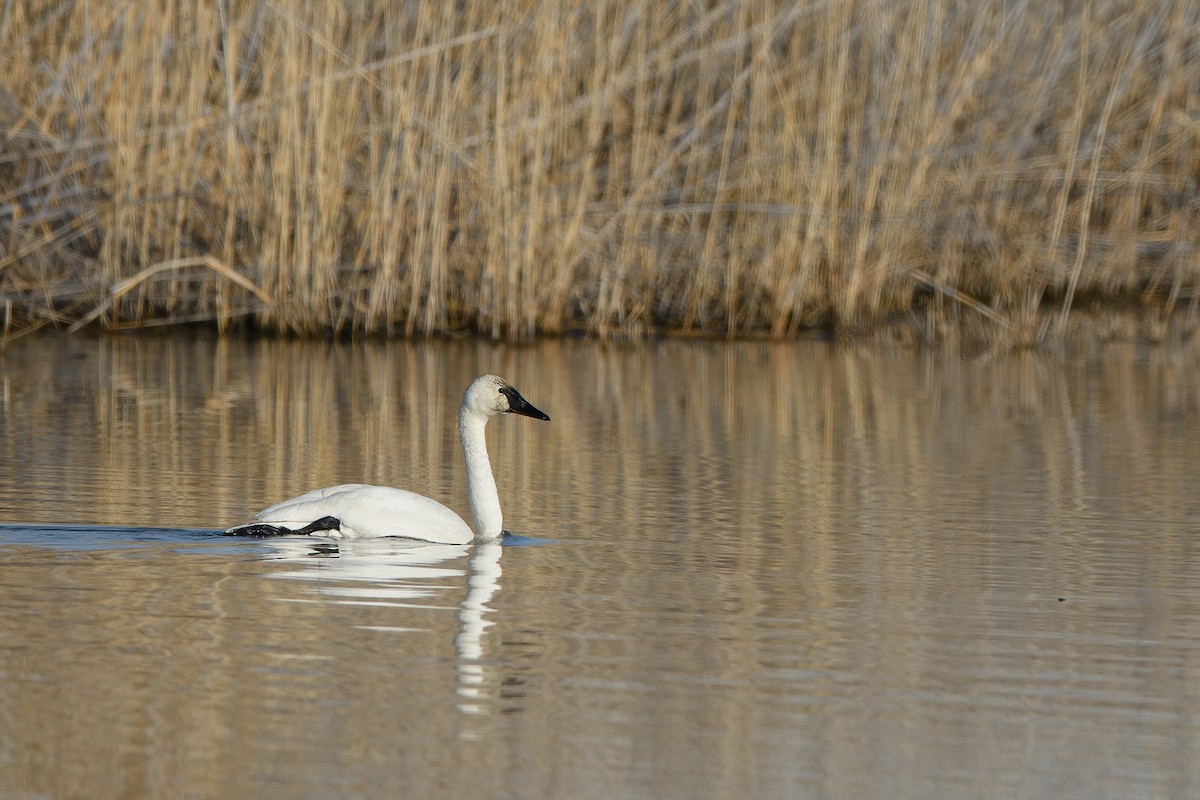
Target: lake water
column 806, row 570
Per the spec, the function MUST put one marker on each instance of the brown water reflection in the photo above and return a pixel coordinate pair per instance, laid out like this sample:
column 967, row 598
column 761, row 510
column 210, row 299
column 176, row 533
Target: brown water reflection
column 776, row 571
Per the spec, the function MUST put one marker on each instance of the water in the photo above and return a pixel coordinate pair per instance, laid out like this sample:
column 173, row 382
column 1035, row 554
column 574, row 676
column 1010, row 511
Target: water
column 752, row 570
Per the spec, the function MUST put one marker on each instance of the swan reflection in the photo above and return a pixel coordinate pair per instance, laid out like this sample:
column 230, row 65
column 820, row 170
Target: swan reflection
column 483, row 582
column 404, row 574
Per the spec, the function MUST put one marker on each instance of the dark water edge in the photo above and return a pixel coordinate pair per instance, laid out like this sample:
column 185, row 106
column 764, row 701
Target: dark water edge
column 67, row 536
column 98, row 537
column 971, row 327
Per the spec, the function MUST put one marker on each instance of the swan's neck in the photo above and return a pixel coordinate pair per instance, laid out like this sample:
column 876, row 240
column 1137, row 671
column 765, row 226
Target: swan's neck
column 481, row 485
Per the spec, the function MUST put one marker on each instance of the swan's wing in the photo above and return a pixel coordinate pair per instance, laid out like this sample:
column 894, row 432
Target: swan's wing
column 372, row 511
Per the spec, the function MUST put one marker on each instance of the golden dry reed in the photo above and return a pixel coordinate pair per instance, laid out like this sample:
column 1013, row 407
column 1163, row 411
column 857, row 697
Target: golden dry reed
column 524, row 168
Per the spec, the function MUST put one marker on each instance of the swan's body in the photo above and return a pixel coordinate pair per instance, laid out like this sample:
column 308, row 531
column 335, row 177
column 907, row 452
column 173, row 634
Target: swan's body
column 357, row 510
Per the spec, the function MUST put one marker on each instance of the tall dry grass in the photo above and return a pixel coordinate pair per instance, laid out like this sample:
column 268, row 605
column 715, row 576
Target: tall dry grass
column 534, row 167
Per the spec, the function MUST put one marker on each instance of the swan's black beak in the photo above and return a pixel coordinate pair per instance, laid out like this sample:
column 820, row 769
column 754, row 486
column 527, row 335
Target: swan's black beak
column 519, row 405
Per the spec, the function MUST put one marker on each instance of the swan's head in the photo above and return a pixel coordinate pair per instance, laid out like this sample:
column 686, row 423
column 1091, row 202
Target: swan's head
column 490, row 395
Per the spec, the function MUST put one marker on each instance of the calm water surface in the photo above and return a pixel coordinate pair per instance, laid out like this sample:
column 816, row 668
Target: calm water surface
column 752, row 570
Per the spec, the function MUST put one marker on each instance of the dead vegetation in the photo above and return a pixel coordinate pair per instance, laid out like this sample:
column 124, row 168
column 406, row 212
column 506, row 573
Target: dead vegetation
column 520, row 168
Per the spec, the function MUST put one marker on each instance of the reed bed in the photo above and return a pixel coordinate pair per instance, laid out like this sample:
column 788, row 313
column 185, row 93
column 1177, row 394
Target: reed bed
column 526, row 168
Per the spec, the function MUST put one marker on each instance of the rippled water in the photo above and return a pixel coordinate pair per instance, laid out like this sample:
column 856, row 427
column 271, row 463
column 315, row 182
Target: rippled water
column 803, row 570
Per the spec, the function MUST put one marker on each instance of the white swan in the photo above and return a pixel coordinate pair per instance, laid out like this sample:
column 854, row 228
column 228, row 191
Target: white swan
column 356, row 510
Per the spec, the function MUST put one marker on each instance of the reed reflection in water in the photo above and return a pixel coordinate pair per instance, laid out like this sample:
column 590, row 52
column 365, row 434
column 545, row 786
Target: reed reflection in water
column 773, row 570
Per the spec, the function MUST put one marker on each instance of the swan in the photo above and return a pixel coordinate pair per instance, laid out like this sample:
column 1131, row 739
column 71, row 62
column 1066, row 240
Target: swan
column 359, row 511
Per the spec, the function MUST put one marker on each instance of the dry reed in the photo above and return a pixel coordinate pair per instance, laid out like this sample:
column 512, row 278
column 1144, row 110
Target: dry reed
column 519, row 168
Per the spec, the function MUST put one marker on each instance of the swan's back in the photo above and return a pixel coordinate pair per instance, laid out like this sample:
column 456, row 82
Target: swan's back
column 369, row 511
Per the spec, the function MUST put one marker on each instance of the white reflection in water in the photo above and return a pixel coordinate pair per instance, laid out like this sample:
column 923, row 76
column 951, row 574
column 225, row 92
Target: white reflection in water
column 482, row 584
column 382, row 572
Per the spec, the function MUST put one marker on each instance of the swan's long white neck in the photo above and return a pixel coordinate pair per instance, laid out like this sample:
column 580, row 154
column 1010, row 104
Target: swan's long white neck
column 481, row 484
